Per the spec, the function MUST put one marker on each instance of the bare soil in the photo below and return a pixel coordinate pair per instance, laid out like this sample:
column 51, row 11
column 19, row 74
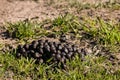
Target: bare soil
column 12, row 11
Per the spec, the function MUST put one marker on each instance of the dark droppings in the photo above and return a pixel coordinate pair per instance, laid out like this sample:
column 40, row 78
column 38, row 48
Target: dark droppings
column 55, row 52
column 45, row 50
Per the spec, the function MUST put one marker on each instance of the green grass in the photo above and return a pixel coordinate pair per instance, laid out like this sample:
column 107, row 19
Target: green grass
column 66, row 24
column 103, row 31
column 21, row 29
column 93, row 68
column 63, row 24
column 25, row 30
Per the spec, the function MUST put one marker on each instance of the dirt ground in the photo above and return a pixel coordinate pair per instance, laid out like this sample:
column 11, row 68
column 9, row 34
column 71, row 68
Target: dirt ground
column 20, row 10
column 15, row 10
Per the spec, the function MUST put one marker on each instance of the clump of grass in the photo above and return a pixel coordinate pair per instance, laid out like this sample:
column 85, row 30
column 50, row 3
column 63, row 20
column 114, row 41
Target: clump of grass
column 109, row 33
column 26, row 29
column 21, row 29
column 104, row 32
column 19, row 67
column 65, row 24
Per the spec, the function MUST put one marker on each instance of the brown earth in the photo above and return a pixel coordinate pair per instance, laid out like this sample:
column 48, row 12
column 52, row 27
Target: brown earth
column 19, row 10
column 15, row 10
